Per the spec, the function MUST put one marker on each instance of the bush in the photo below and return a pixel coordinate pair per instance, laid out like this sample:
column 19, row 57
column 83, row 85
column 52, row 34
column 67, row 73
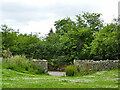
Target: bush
column 39, row 70
column 22, row 64
column 71, row 70
column 18, row 63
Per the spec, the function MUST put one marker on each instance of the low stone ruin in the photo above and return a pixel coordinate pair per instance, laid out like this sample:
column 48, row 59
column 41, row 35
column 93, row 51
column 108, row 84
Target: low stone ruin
column 92, row 65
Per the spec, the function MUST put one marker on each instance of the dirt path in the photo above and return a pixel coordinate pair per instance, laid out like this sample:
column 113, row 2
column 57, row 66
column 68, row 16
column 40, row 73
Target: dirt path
column 57, row 73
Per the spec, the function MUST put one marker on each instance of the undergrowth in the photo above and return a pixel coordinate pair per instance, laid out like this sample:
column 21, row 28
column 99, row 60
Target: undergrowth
column 22, row 64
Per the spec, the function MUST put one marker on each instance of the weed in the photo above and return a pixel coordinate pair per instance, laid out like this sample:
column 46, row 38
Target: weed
column 22, row 64
column 71, row 70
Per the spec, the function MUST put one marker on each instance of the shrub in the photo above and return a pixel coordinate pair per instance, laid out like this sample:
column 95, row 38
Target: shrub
column 71, row 70
column 22, row 64
column 18, row 63
column 39, row 70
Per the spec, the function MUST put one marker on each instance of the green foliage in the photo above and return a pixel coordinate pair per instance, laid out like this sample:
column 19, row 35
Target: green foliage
column 0, row 44
column 4, row 54
column 9, row 36
column 75, row 37
column 18, row 43
column 105, row 43
column 15, row 63
column 71, row 70
column 22, row 64
column 84, row 38
column 39, row 70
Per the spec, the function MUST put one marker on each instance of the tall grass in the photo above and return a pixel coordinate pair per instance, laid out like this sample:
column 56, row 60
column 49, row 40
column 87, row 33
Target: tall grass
column 22, row 64
column 71, row 70
column 87, row 70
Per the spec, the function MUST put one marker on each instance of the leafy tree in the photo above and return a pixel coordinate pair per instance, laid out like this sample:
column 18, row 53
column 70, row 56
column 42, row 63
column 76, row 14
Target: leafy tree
column 9, row 37
column 75, row 37
column 81, row 39
column 23, row 43
column 91, row 20
column 51, row 32
column 105, row 43
column 18, row 43
column 62, row 26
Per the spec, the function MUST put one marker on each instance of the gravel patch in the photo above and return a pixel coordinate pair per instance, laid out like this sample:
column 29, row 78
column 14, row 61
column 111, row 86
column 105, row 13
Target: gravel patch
column 88, row 76
column 56, row 73
column 99, row 73
column 35, row 78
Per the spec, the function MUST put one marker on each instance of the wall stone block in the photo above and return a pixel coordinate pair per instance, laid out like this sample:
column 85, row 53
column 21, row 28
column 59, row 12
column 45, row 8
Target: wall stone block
column 96, row 65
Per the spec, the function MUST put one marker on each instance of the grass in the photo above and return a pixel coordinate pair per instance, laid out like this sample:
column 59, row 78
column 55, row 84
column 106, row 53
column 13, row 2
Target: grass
column 103, row 79
column 22, row 64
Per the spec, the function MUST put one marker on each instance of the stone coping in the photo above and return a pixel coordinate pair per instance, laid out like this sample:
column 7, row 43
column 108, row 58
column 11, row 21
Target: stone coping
column 97, row 60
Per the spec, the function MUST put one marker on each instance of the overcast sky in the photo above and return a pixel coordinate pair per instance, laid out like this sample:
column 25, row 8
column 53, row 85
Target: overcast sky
column 40, row 15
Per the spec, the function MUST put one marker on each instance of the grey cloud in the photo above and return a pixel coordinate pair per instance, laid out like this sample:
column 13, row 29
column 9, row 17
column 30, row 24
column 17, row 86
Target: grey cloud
column 24, row 13
column 72, row 9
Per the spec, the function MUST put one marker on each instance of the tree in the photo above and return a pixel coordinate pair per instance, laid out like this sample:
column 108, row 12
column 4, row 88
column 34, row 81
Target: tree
column 75, row 36
column 105, row 43
column 64, row 25
column 51, row 32
column 18, row 43
column 23, row 43
column 81, row 39
column 9, row 37
column 91, row 20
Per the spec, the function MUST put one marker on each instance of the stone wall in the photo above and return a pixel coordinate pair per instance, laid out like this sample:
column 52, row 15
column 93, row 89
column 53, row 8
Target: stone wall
column 91, row 65
column 42, row 63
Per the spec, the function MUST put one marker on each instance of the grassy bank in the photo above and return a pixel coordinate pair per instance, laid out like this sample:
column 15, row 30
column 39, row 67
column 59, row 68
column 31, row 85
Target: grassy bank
column 103, row 79
column 22, row 64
